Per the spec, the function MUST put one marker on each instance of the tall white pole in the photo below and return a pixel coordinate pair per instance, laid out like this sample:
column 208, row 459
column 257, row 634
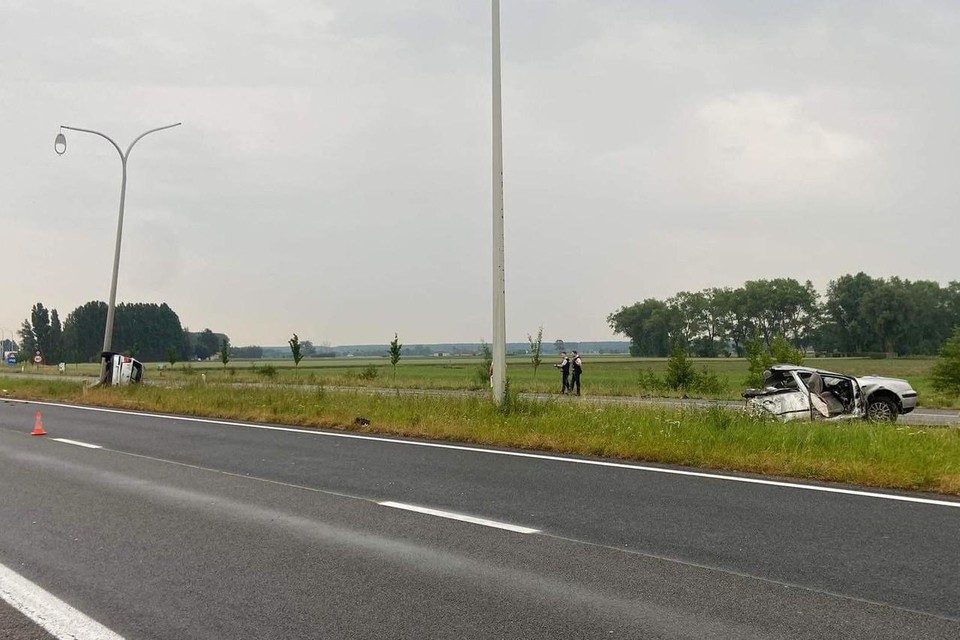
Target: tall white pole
column 499, row 287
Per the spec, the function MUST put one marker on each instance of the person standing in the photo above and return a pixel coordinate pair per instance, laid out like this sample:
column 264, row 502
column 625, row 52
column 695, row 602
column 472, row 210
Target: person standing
column 564, row 367
column 577, row 370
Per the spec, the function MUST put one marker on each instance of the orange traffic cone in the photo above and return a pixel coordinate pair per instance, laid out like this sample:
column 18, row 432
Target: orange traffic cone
column 38, row 426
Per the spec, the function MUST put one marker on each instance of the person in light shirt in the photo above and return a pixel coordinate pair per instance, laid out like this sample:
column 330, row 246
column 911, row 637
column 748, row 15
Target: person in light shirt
column 564, row 367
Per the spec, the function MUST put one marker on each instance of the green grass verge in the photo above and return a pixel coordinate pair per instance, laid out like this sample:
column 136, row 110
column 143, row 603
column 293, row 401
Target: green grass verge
column 856, row 452
column 603, row 375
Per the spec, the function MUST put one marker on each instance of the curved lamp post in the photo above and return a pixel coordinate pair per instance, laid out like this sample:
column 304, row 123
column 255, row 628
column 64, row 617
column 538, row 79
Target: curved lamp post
column 60, row 146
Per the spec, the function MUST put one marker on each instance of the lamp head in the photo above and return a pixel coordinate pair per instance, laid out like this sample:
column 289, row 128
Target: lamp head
column 60, row 144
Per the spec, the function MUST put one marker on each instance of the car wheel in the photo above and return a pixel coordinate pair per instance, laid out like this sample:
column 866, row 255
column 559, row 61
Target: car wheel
column 881, row 410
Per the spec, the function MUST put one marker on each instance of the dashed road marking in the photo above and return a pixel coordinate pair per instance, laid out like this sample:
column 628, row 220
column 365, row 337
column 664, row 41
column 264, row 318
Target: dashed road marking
column 459, row 516
column 54, row 615
column 77, row 443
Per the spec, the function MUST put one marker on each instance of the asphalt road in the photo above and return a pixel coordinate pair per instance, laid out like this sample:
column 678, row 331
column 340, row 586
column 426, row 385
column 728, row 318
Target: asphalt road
column 184, row 528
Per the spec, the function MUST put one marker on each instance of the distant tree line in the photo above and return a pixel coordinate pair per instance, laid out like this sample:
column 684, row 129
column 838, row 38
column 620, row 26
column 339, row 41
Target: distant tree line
column 859, row 315
column 151, row 332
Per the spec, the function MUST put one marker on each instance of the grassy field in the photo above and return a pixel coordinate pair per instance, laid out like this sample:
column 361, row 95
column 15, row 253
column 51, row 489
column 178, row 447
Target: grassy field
column 859, row 452
column 603, row 375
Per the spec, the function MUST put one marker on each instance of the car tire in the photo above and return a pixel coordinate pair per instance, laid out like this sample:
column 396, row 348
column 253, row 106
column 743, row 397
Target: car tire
column 881, row 409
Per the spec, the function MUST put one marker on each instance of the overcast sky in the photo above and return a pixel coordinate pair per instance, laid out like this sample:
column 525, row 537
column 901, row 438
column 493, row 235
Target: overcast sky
column 332, row 174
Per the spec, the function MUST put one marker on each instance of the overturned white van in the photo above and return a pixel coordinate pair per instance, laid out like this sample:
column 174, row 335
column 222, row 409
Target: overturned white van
column 120, row 369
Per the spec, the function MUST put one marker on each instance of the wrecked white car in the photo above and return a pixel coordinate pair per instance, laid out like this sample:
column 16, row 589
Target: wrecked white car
column 800, row 393
column 887, row 398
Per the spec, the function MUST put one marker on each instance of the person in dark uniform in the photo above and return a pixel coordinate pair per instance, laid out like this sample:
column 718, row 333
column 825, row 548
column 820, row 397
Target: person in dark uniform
column 564, row 367
column 577, row 370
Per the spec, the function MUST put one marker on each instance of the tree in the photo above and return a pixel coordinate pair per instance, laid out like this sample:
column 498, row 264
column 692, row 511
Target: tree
column 57, row 353
column 860, row 314
column 647, row 324
column 395, row 349
column 150, row 328
column 252, row 352
column 846, row 325
column 295, row 349
column 308, row 349
column 946, row 372
column 28, row 341
column 734, row 325
column 40, row 319
column 781, row 306
column 83, row 330
column 687, row 313
column 558, row 345
column 172, row 353
column 888, row 309
column 536, row 344
column 147, row 329
column 225, row 351
column 207, row 344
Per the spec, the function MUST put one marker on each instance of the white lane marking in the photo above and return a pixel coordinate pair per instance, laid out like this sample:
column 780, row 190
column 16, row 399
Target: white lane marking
column 515, row 454
column 458, row 516
column 77, row 442
column 56, row 616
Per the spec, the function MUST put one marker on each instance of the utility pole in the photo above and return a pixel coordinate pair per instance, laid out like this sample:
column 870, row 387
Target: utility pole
column 499, row 287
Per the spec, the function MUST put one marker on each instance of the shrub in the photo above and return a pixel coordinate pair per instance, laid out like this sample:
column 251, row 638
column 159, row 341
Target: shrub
column 369, row 372
column 482, row 372
column 680, row 372
column 708, row 382
column 268, row 371
column 758, row 361
column 785, row 353
column 648, row 380
column 946, row 372
column 760, row 358
column 702, row 382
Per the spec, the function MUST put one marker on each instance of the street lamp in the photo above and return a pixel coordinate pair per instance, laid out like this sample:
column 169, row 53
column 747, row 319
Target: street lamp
column 499, row 295
column 60, row 146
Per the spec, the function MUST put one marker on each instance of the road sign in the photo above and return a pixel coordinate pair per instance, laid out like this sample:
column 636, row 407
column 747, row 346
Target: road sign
column 38, row 358
column 12, row 360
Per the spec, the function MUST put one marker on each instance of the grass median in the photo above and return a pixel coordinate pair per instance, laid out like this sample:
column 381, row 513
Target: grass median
column 891, row 456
